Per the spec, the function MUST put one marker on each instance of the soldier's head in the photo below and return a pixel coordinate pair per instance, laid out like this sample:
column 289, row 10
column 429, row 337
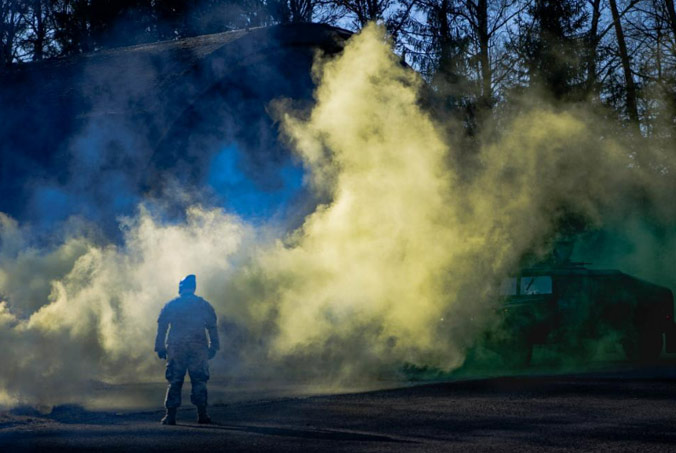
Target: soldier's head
column 187, row 285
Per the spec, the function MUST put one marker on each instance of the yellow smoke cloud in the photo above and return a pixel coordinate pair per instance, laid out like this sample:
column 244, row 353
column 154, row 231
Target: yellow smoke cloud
column 399, row 266
column 98, row 321
column 377, row 251
column 411, row 237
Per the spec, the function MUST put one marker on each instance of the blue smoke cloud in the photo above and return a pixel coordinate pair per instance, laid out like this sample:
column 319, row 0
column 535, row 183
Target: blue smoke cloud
column 240, row 194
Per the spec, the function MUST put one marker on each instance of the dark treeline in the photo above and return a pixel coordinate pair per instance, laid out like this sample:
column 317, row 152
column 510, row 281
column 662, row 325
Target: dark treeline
column 474, row 53
column 36, row 29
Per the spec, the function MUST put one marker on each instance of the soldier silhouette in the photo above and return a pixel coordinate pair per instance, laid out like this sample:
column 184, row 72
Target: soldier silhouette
column 192, row 340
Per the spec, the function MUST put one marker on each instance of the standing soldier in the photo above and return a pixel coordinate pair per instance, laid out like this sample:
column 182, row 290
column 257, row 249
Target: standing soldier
column 188, row 318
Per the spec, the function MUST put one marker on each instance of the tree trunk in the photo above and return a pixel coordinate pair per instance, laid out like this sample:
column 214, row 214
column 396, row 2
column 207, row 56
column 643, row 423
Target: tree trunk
column 9, row 32
column 632, row 109
column 672, row 15
column 592, row 45
column 2, row 33
column 40, row 31
column 486, row 75
column 301, row 10
column 446, row 42
column 658, row 56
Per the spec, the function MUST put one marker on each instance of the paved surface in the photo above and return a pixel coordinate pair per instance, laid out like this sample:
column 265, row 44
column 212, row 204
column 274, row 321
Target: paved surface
column 629, row 409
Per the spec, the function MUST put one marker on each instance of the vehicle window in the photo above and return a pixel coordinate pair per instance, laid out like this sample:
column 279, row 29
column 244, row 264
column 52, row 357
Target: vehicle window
column 536, row 285
column 508, row 287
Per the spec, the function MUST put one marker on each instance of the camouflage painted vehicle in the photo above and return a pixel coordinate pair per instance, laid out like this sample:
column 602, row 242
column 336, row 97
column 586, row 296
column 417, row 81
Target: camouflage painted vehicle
column 567, row 304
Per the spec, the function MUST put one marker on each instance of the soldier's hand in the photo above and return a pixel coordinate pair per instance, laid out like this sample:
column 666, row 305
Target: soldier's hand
column 162, row 354
column 212, row 353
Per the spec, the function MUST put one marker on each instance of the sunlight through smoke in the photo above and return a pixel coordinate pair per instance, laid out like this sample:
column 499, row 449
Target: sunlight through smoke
column 399, row 265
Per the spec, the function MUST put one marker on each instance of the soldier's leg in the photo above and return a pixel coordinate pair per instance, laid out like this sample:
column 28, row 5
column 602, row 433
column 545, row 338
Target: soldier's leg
column 199, row 375
column 175, row 374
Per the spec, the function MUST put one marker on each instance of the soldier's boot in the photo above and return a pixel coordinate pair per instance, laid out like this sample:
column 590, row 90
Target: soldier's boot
column 202, row 417
column 170, row 417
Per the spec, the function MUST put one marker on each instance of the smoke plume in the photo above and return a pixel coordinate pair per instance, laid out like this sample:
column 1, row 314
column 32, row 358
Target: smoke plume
column 400, row 264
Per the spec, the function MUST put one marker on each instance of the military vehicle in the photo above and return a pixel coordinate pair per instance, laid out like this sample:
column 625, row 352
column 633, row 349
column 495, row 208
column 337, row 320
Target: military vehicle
column 563, row 303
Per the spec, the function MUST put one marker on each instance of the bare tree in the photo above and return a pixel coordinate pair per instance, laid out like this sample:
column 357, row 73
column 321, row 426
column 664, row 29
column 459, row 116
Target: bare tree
column 592, row 44
column 38, row 40
column 669, row 5
column 12, row 26
column 630, row 86
column 478, row 27
column 365, row 11
column 487, row 20
column 652, row 47
column 394, row 14
column 301, row 10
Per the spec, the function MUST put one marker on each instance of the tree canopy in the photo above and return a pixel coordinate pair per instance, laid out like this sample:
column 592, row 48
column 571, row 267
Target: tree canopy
column 474, row 53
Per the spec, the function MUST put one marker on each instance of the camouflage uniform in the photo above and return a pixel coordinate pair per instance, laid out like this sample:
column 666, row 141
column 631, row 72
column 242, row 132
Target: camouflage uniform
column 188, row 318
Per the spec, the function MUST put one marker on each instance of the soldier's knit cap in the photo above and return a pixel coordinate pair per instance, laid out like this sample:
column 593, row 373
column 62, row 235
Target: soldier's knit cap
column 188, row 284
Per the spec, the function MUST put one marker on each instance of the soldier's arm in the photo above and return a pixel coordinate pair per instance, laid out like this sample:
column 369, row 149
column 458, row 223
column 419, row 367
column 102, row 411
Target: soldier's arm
column 212, row 329
column 162, row 327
